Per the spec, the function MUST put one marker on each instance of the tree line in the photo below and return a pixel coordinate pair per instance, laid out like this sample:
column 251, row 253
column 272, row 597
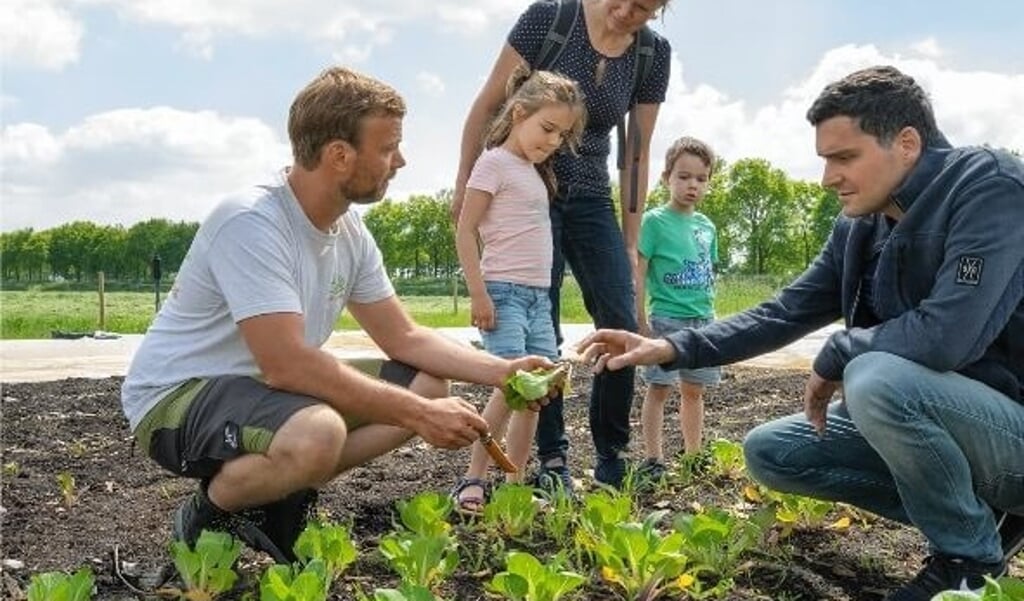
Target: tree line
column 767, row 224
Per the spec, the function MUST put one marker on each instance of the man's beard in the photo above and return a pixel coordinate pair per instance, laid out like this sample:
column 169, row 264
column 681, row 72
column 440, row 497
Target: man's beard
column 362, row 196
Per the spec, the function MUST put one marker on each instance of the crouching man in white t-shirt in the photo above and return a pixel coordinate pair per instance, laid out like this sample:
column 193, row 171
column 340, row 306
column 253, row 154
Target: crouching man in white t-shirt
column 230, row 385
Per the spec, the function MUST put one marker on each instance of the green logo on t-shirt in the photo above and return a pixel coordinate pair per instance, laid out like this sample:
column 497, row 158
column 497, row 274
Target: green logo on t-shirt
column 337, row 287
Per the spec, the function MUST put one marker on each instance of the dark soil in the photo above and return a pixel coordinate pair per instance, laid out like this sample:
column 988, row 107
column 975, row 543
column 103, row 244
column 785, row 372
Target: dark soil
column 123, row 501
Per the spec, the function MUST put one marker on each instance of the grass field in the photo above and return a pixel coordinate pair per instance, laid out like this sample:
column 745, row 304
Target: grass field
column 36, row 314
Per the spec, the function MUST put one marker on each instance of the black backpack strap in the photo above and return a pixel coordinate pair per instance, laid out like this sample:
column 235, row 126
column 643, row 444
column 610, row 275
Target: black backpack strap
column 643, row 60
column 558, row 34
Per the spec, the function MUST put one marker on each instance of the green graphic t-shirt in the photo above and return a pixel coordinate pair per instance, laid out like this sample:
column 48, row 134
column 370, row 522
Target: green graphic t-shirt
column 681, row 251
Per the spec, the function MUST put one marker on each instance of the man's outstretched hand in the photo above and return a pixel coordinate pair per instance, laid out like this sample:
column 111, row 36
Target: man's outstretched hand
column 615, row 349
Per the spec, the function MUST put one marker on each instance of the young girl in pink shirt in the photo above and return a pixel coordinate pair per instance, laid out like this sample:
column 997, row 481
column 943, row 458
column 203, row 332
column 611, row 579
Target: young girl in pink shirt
column 506, row 213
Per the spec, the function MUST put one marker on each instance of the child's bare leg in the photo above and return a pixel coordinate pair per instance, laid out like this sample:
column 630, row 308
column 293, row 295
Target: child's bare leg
column 652, row 419
column 496, row 413
column 691, row 415
column 521, row 429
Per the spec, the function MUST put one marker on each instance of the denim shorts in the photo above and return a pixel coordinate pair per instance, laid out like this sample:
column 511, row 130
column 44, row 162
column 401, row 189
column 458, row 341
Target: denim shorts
column 654, row 374
column 522, row 316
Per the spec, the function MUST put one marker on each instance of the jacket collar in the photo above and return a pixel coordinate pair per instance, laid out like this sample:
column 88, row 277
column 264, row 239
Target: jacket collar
column 922, row 173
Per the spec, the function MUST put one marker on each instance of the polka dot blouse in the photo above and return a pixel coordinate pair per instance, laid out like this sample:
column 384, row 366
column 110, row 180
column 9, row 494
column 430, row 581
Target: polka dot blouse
column 607, row 100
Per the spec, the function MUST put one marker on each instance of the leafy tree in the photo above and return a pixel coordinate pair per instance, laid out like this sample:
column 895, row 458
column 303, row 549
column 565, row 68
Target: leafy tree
column 761, row 197
column 386, row 221
column 815, row 209
column 12, row 252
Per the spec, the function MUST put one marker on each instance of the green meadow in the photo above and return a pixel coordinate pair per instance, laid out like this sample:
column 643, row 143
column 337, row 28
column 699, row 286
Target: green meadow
column 36, row 313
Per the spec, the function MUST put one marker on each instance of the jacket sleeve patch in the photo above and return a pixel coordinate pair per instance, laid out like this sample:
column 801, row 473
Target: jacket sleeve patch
column 968, row 271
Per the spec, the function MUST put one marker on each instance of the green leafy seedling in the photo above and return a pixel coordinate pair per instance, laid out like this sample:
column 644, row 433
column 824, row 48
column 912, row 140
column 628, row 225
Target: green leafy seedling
column 208, row 570
column 58, row 586
column 527, row 579
column 11, row 469
column 329, row 543
column 511, row 510
column 715, row 539
column 727, row 458
column 524, row 387
column 420, row 560
column 68, row 492
column 288, row 583
column 427, row 513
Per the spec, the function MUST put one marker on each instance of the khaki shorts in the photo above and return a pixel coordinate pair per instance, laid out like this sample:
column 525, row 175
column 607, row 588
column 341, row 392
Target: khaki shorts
column 205, row 422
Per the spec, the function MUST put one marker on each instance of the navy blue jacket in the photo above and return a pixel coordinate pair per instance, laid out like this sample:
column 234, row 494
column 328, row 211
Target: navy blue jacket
column 948, row 286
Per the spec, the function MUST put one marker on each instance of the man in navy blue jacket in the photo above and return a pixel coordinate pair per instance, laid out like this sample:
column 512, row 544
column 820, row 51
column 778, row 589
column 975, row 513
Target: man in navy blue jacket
column 926, row 268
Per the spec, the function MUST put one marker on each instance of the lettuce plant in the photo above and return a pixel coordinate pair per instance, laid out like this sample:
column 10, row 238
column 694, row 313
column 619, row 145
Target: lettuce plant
column 208, row 569
column 418, row 559
column 427, row 513
column 641, row 561
column 283, row 582
column 524, row 387
column 330, row 543
column 58, row 586
column 527, row 579
column 511, row 510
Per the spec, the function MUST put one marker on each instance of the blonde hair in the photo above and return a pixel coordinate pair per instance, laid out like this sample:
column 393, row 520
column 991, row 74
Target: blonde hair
column 332, row 107
column 688, row 145
column 532, row 91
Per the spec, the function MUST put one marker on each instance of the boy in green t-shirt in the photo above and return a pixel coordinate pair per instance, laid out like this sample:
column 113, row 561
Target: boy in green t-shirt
column 678, row 249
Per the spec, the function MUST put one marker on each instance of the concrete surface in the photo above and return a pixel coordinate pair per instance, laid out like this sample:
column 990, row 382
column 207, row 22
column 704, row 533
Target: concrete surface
column 44, row 360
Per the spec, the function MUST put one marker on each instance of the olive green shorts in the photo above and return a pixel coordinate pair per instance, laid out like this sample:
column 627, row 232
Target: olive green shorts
column 204, row 422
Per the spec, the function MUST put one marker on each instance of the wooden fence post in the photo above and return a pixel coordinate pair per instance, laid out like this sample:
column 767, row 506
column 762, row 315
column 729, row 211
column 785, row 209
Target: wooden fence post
column 103, row 304
column 455, row 294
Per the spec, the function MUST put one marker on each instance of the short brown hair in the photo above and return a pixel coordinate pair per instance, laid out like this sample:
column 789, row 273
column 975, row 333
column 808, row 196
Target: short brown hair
column 882, row 100
column 688, row 145
column 332, row 107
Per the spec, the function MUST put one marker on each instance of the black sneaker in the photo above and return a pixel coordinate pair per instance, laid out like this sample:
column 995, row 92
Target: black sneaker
column 283, row 521
column 552, row 480
column 198, row 513
column 945, row 573
column 610, row 472
column 1011, row 532
column 651, row 470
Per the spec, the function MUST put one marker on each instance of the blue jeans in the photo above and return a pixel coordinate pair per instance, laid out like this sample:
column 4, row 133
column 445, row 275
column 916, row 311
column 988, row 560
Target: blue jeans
column 935, row 450
column 587, row 235
column 522, row 322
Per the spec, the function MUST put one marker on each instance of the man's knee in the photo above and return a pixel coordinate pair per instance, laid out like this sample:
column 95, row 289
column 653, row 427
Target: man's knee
column 876, row 383
column 311, row 441
column 762, row 454
column 429, row 386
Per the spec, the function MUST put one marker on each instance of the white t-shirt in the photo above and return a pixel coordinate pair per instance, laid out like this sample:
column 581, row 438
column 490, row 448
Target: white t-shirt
column 516, row 230
column 257, row 253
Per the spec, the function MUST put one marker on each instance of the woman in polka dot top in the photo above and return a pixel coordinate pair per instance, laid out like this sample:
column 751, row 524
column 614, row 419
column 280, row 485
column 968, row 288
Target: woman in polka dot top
column 599, row 56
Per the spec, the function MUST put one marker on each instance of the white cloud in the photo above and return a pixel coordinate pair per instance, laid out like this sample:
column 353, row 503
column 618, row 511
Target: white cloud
column 354, row 27
column 128, row 165
column 928, row 48
column 38, row 33
column 430, row 83
column 971, row 108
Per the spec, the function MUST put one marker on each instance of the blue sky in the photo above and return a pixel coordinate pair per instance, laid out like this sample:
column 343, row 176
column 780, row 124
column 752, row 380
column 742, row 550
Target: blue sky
column 115, row 111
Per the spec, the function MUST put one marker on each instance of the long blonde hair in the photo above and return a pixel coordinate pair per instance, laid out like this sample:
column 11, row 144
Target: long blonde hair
column 531, row 91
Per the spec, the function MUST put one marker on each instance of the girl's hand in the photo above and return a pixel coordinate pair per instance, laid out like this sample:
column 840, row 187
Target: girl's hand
column 530, row 363
column 482, row 312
